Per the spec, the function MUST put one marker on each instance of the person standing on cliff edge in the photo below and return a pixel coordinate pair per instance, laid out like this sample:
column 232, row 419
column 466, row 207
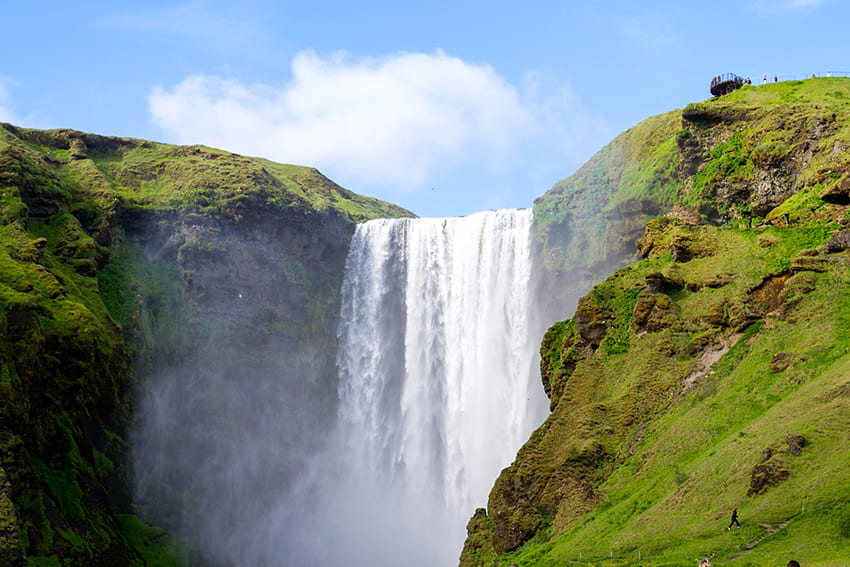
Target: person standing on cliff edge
column 734, row 519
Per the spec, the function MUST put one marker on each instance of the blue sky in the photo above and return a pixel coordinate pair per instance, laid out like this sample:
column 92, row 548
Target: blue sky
column 446, row 108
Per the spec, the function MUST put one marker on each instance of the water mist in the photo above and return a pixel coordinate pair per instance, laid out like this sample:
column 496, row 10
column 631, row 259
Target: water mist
column 240, row 451
column 439, row 381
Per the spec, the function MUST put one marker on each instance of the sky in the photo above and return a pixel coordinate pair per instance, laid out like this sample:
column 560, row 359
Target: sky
column 444, row 108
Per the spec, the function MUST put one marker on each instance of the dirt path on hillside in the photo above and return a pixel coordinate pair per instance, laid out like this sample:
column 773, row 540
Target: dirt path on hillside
column 770, row 529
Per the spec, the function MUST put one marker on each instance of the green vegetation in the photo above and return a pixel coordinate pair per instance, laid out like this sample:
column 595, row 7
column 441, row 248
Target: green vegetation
column 638, row 164
column 152, row 175
column 737, row 157
column 753, row 149
column 594, row 213
column 156, row 548
column 86, row 301
column 667, row 396
column 710, row 374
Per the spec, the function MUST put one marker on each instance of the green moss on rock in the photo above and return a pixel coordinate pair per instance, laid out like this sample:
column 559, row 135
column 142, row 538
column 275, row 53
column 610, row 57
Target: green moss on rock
column 82, row 310
column 685, row 382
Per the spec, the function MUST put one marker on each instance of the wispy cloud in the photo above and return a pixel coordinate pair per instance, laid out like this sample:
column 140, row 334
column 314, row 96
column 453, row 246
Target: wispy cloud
column 772, row 7
column 9, row 112
column 7, row 109
column 647, row 32
column 224, row 27
column 392, row 120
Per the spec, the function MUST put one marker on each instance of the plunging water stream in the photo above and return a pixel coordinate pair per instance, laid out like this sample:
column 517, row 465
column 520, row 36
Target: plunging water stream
column 244, row 450
column 439, row 384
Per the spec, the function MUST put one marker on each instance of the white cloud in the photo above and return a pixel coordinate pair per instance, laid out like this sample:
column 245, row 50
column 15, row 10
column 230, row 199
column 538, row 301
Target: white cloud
column 391, row 121
column 9, row 113
column 771, row 7
column 7, row 109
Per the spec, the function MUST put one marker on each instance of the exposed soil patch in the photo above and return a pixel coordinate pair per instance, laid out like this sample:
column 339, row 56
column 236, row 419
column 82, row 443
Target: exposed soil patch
column 766, row 297
column 766, row 474
column 707, row 360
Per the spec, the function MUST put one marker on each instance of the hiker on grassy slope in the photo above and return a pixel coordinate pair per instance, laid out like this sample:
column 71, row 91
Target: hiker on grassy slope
column 734, row 519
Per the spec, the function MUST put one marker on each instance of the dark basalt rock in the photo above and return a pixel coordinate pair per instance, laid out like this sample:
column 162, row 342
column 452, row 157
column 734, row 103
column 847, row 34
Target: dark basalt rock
column 657, row 282
column 773, row 468
column 838, row 193
column 590, row 321
column 839, row 242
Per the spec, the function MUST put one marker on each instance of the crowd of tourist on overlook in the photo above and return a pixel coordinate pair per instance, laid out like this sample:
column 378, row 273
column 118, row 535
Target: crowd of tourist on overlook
column 726, row 83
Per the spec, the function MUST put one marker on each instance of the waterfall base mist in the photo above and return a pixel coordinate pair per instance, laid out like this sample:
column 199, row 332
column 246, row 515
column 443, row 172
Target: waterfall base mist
column 248, row 450
column 237, row 373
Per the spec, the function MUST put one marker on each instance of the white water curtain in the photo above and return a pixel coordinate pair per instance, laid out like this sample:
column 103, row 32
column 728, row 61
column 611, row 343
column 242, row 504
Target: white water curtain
column 439, row 380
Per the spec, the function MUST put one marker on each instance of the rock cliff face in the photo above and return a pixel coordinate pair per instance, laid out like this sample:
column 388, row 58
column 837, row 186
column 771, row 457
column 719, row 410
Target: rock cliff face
column 710, row 373
column 106, row 243
column 668, row 383
column 243, row 358
column 588, row 223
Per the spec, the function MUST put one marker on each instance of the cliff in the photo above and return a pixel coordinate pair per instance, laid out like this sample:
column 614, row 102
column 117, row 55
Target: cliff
column 710, row 373
column 108, row 242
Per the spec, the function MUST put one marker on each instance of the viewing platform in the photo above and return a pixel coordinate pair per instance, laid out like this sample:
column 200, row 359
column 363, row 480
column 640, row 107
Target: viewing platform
column 725, row 84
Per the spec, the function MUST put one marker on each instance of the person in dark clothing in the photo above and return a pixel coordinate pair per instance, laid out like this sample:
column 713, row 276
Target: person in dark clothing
column 734, row 519
column 793, row 563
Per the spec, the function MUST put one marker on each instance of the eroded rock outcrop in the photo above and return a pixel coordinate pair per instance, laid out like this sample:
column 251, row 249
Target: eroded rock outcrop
column 755, row 195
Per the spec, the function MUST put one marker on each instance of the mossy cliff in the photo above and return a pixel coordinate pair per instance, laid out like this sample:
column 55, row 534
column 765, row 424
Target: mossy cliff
column 712, row 372
column 104, row 244
column 737, row 158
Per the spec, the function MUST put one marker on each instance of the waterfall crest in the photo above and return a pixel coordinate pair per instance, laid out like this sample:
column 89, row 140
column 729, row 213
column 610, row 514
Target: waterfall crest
column 439, row 382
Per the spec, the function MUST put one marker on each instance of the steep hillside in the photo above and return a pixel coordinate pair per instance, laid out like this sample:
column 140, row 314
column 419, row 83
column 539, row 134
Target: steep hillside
column 713, row 373
column 735, row 158
column 588, row 223
column 105, row 243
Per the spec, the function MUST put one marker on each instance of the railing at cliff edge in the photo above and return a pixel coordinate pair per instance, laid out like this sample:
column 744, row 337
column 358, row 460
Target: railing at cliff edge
column 728, row 82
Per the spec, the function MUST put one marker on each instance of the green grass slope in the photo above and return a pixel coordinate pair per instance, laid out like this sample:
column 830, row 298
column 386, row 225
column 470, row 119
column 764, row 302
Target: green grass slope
column 597, row 213
column 738, row 156
column 138, row 173
column 71, row 303
column 713, row 373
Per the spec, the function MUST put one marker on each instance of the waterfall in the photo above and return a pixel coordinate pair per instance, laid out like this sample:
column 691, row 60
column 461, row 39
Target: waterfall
column 243, row 448
column 439, row 381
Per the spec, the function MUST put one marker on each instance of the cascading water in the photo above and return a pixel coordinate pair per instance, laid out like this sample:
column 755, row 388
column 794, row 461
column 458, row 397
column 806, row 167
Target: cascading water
column 439, row 384
column 244, row 450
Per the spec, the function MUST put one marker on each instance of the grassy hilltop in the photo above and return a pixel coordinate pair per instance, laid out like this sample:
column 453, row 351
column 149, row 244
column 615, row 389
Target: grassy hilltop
column 711, row 373
column 105, row 243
